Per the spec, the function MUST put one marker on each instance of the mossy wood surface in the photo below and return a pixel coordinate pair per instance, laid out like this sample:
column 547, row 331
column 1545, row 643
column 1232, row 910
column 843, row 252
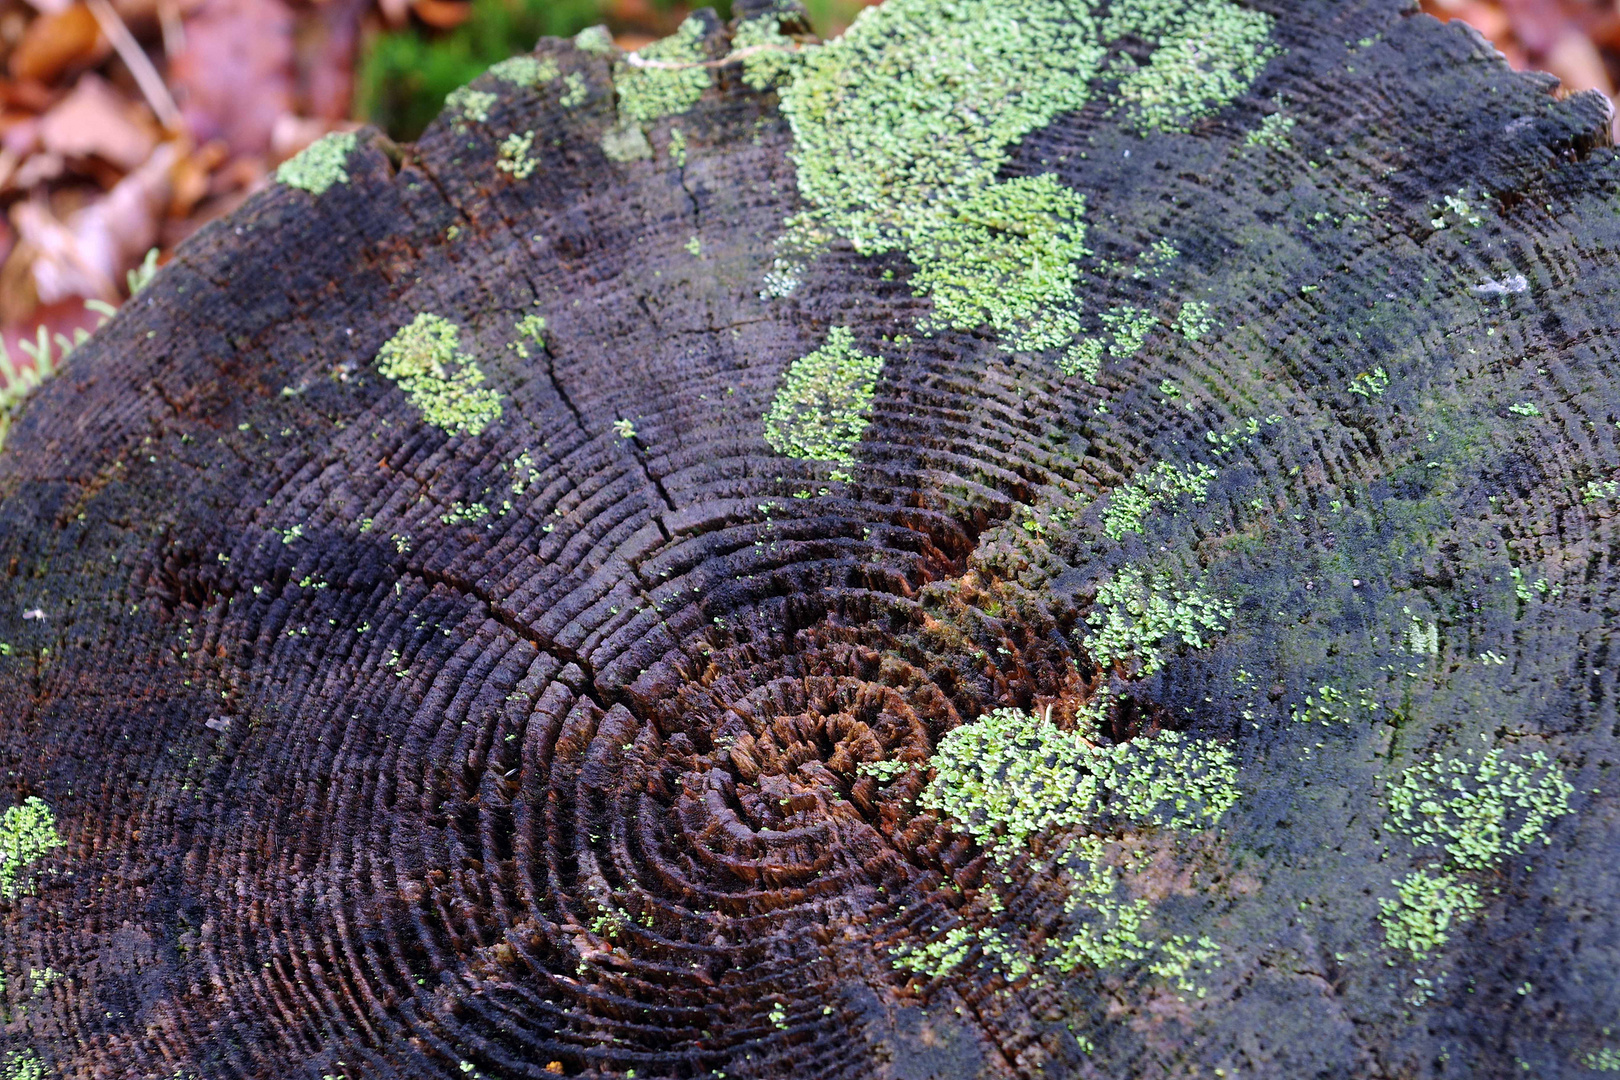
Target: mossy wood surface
column 502, row 605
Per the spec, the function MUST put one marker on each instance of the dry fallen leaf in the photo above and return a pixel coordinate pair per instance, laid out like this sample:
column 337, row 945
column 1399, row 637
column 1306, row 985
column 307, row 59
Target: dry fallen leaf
column 88, row 254
column 53, row 43
column 235, row 75
column 96, row 119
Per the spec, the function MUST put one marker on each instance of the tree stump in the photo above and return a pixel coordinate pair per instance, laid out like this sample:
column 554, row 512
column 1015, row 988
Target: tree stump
column 1050, row 539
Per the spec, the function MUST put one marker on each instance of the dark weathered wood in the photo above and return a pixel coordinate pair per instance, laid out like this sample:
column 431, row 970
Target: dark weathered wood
column 352, row 778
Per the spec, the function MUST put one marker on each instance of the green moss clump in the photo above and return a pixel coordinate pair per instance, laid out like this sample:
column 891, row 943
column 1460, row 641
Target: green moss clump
column 1137, row 617
column 1478, row 813
column 823, row 405
column 320, row 164
column 471, row 104
column 1605, row 1060
column 902, row 127
column 514, row 156
column 673, row 84
column 1164, row 483
column 426, row 360
column 27, row 833
column 769, row 59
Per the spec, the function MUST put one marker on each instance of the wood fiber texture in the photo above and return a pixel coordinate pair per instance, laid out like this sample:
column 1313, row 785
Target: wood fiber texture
column 381, row 750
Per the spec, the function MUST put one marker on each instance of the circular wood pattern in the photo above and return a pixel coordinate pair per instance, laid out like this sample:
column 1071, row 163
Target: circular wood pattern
column 382, row 750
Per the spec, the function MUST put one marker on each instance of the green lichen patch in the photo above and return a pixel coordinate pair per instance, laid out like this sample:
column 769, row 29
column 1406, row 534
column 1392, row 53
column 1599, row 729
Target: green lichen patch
column 445, row 384
column 825, row 400
column 574, row 91
column 1193, row 321
column 1010, row 777
column 320, row 164
column 526, row 70
column 27, row 834
column 1428, row 906
column 1209, row 53
column 668, row 79
column 1136, row 617
column 902, row 126
column 23, row 1065
column 514, row 155
column 1273, row 132
column 677, row 147
column 1478, row 811
column 1129, row 506
column 626, row 143
column 768, row 58
column 533, row 327
column 595, row 40
column 472, row 105
column 1010, row 261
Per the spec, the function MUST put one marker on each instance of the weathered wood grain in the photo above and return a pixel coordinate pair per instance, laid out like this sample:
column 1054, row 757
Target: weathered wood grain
column 532, row 743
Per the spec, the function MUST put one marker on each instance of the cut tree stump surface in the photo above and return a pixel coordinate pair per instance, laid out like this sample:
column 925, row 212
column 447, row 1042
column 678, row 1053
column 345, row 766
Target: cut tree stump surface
column 395, row 685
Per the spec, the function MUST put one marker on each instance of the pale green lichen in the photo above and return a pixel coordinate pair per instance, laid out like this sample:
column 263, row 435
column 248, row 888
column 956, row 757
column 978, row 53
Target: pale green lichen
column 574, row 91
column 1209, row 52
column 1165, row 483
column 473, row 105
column 823, row 404
column 1370, row 384
column 23, row 1065
column 27, row 834
column 1428, row 906
column 1477, row 811
column 1136, row 617
column 320, row 164
column 1012, row 776
column 1596, row 490
column 595, row 40
column 768, row 58
column 626, row 143
column 677, row 147
column 903, row 125
column 445, row 384
column 1605, row 1060
column 526, row 70
column 1193, row 321
column 514, row 155
column 1273, row 132
column 672, row 79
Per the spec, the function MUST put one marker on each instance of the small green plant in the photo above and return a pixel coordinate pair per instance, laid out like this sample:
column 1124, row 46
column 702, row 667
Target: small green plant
column 1525, row 408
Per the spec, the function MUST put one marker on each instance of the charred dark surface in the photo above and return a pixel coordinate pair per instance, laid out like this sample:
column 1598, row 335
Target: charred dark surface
column 357, row 781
